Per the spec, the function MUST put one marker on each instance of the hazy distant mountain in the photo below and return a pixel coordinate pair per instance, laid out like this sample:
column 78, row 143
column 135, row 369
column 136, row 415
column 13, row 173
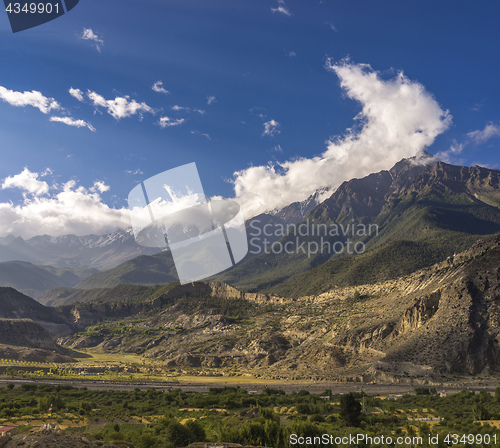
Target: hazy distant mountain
column 159, row 268
column 65, row 296
column 33, row 280
column 71, row 251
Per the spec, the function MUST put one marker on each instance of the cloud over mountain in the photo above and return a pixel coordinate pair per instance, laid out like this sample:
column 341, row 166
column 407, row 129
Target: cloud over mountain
column 398, row 119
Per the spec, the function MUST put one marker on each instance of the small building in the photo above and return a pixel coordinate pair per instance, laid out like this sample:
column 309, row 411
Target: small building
column 8, row 430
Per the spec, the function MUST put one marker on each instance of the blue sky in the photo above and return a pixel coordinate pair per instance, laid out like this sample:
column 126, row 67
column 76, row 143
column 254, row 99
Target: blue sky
column 250, row 82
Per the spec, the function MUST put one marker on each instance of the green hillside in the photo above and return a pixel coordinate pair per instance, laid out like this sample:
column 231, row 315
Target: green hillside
column 143, row 270
column 413, row 236
column 66, row 296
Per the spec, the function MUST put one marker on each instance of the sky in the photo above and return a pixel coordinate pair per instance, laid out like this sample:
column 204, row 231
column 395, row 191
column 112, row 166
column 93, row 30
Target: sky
column 272, row 99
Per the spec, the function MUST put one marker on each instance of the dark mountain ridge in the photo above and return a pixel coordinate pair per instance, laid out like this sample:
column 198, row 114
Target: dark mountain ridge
column 28, row 329
column 435, row 208
column 15, row 305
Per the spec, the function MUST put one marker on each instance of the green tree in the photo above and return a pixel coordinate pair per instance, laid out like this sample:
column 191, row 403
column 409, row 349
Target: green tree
column 177, row 434
column 196, row 431
column 480, row 412
column 350, row 409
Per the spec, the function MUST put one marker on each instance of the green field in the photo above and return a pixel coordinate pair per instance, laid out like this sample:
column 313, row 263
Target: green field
column 176, row 418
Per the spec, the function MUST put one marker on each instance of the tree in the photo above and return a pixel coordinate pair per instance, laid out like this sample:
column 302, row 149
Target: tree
column 479, row 412
column 196, row 431
column 350, row 409
column 177, row 434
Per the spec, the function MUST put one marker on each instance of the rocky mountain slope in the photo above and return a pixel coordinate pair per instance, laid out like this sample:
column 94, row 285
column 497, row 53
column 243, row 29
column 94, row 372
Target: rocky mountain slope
column 23, row 339
column 444, row 319
column 15, row 305
column 28, row 329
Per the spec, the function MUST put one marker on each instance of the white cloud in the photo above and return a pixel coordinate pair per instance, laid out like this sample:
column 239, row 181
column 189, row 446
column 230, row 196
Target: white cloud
column 187, row 109
column 89, row 34
column 477, row 107
column 210, row 99
column 207, row 136
column 134, row 172
column 158, row 87
column 259, row 111
column 120, row 107
column 77, row 93
column 72, row 122
column 99, row 186
column 490, row 131
column 486, row 165
column 271, row 128
column 398, row 119
column 450, row 156
column 168, row 122
column 282, row 9
column 69, row 209
column 291, row 54
column 33, row 98
column 481, row 136
column 28, row 182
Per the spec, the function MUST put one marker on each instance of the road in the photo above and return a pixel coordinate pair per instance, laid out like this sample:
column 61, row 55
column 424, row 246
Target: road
column 288, row 387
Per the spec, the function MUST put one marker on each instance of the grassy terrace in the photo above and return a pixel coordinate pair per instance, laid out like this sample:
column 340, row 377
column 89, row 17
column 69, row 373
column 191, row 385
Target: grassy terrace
column 118, row 367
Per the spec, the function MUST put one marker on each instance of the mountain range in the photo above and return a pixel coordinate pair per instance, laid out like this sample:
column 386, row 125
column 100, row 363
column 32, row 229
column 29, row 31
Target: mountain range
column 420, row 212
column 419, row 301
column 74, row 252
